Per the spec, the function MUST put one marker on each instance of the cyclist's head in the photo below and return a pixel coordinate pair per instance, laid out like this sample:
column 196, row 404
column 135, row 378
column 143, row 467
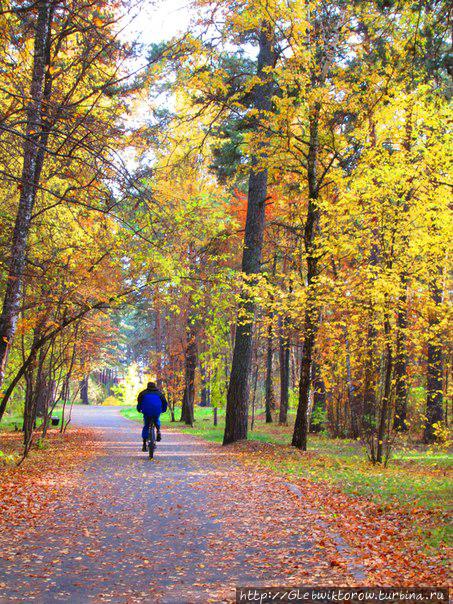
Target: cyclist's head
column 151, row 385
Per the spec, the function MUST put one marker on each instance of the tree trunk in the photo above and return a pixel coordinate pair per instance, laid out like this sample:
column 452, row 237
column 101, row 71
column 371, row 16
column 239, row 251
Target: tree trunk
column 84, row 390
column 300, row 433
column 368, row 399
column 353, row 399
column 319, row 399
column 284, row 353
column 158, row 343
column 385, row 401
column 66, row 388
column 187, row 407
column 400, row 377
column 33, row 159
column 36, row 393
column 50, row 406
column 191, row 360
column 311, row 313
column 400, row 371
column 447, row 370
column 269, row 390
column 65, row 394
column 205, row 399
column 435, row 369
column 238, row 389
column 296, row 359
column 40, row 385
column 368, row 406
column 255, row 386
column 29, row 410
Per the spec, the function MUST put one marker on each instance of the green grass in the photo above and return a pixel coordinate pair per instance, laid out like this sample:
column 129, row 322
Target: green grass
column 436, row 537
column 425, row 457
column 203, row 426
column 11, row 421
column 356, row 476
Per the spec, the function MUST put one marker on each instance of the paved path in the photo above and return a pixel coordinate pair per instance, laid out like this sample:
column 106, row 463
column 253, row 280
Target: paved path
column 186, row 527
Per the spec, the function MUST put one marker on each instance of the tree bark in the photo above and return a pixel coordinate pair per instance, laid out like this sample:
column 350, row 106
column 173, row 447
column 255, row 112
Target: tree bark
column 205, row 399
column 36, row 392
column 42, row 386
column 401, row 385
column 300, row 432
column 354, row 402
column 400, row 371
column 255, row 386
column 319, row 397
column 311, row 313
column 238, row 389
column 435, row 369
column 368, row 406
column 29, row 411
column 33, row 159
column 353, row 399
column 284, row 353
column 84, row 390
column 191, row 360
column 385, row 401
column 158, row 335
column 172, row 413
column 269, row 390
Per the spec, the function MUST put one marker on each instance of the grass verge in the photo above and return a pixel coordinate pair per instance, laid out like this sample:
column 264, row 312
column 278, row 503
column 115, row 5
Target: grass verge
column 12, row 422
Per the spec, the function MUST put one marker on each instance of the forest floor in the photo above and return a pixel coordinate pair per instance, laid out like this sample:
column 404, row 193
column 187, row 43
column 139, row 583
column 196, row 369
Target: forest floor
column 96, row 520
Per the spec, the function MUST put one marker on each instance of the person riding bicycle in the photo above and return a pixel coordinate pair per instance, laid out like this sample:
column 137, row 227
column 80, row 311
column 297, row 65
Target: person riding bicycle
column 151, row 402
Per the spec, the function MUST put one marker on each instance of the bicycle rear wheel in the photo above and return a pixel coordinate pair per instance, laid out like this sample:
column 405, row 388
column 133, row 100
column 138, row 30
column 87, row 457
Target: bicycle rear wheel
column 152, row 441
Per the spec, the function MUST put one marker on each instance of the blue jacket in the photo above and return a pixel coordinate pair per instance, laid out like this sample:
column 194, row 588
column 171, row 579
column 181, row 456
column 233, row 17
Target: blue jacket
column 151, row 402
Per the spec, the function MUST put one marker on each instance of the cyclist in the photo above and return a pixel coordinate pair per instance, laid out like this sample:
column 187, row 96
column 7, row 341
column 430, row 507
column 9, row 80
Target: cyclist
column 151, row 402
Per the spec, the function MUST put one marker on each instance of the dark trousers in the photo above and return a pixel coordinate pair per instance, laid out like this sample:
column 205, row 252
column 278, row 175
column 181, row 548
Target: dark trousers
column 148, row 420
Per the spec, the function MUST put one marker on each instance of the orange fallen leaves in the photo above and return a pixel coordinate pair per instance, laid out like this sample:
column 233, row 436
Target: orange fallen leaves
column 386, row 539
column 43, row 480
